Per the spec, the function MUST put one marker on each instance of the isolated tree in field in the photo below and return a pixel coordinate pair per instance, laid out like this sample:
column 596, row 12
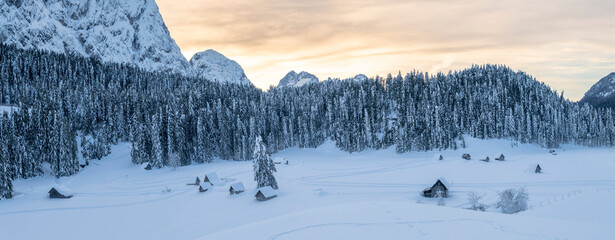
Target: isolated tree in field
column 513, row 200
column 263, row 166
column 474, row 201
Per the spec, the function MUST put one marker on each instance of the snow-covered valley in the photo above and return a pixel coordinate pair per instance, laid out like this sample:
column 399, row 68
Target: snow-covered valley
column 326, row 193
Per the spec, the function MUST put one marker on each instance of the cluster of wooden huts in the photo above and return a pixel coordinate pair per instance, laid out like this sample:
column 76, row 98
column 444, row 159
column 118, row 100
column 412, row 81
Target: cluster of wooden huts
column 211, row 179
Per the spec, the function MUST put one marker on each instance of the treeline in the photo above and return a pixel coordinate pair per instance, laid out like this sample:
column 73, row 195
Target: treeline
column 174, row 120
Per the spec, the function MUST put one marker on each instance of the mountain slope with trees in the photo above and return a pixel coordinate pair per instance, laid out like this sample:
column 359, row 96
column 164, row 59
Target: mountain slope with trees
column 173, row 119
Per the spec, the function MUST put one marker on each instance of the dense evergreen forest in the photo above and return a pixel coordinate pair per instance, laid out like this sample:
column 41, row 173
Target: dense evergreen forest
column 62, row 100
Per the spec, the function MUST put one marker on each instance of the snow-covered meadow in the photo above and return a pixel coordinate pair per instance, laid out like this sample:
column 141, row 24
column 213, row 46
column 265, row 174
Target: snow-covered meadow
column 328, row 194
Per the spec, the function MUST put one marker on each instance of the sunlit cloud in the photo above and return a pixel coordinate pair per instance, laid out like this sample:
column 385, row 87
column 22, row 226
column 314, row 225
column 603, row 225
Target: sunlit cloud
column 567, row 44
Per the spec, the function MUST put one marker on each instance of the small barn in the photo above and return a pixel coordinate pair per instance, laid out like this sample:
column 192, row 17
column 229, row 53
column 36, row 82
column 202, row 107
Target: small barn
column 440, row 187
column 538, row 169
column 196, row 182
column 500, row 158
column 466, row 156
column 204, row 187
column 146, row 166
column 265, row 193
column 212, row 178
column 236, row 188
column 60, row 192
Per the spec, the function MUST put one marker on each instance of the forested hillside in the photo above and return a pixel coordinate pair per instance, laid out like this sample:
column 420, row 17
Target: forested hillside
column 178, row 120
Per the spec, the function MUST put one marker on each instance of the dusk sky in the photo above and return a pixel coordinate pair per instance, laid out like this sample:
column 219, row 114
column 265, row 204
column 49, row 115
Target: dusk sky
column 568, row 44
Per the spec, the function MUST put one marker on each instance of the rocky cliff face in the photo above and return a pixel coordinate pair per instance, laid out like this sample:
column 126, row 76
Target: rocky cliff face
column 111, row 30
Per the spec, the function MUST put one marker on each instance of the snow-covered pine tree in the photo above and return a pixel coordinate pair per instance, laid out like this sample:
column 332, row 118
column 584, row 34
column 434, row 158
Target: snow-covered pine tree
column 263, row 165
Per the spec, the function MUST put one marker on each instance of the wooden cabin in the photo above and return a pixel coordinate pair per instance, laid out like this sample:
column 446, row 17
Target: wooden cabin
column 196, row 182
column 466, row 156
column 204, row 186
column 212, row 178
column 500, row 158
column 440, row 187
column 146, row 166
column 60, row 192
column 265, row 193
column 236, row 188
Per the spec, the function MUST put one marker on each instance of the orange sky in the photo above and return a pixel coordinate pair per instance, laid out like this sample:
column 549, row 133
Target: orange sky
column 568, row 44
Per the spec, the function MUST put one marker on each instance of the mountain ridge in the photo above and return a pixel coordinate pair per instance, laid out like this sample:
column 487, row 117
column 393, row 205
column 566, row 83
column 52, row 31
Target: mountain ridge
column 602, row 93
column 131, row 32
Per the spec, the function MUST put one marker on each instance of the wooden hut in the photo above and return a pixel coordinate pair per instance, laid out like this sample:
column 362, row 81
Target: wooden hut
column 265, row 193
column 60, row 192
column 441, row 188
column 236, row 188
column 204, row 186
column 146, row 166
column 500, row 158
column 466, row 156
column 196, row 182
column 212, row 178
column 538, row 169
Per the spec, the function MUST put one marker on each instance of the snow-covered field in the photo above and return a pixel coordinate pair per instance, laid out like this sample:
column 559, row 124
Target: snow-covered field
column 328, row 194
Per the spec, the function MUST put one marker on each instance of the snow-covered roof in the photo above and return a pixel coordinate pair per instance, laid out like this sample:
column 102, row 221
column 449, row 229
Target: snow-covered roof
column 443, row 181
column 144, row 165
column 213, row 178
column 238, row 186
column 267, row 191
column 63, row 190
column 205, row 185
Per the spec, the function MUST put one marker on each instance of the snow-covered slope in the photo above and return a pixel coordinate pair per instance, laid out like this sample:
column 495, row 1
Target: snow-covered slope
column 326, row 193
column 112, row 30
column 216, row 67
column 602, row 94
column 293, row 79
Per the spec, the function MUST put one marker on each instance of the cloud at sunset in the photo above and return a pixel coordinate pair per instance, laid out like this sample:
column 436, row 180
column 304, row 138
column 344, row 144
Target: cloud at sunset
column 564, row 43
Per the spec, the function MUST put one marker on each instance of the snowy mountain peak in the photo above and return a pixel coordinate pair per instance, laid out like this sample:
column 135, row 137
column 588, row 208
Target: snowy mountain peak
column 359, row 77
column 131, row 32
column 294, row 79
column 602, row 94
column 111, row 30
column 214, row 66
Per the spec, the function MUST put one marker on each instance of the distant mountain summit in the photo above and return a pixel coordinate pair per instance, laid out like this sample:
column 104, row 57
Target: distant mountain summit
column 216, row 67
column 119, row 31
column 602, row 94
column 294, row 79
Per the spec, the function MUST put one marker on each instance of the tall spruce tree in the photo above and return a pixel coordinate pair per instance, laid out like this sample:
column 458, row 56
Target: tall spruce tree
column 263, row 165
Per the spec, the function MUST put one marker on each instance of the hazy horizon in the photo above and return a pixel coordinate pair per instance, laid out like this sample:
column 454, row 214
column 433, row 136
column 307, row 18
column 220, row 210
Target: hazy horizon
column 565, row 43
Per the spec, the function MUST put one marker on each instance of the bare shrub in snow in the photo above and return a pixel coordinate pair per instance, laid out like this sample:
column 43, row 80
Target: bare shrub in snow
column 513, row 200
column 475, row 204
column 440, row 196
